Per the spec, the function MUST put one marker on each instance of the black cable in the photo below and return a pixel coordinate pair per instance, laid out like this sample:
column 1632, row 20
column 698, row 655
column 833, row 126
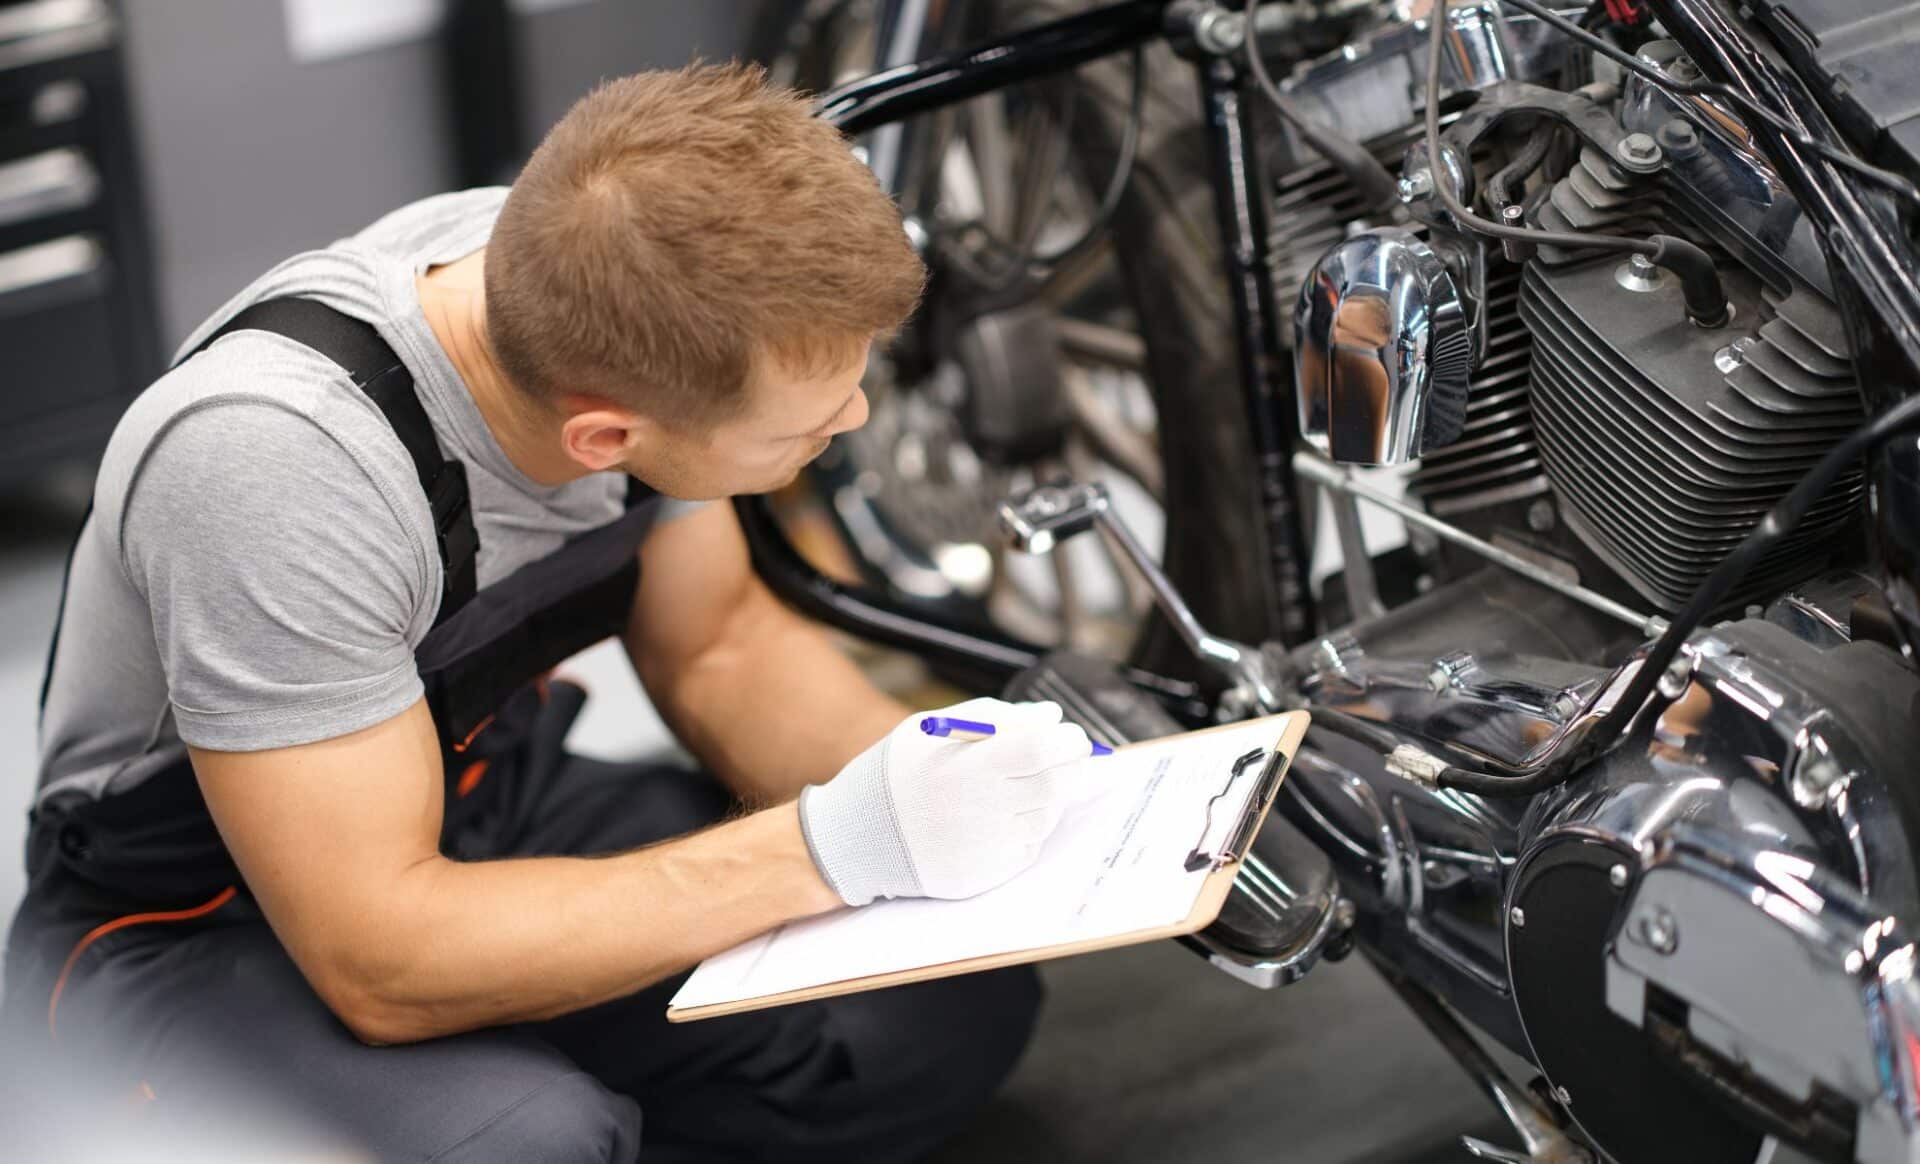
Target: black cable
column 1706, row 299
column 1532, row 152
column 1779, row 522
column 1375, row 184
column 1022, row 258
column 1747, row 105
column 1122, row 169
column 1353, row 727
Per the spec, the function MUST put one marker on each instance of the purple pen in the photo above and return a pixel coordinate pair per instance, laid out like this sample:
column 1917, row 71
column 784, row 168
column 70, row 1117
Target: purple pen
column 950, row 727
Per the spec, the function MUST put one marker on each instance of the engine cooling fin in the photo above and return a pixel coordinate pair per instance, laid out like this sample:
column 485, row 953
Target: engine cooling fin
column 1497, row 457
column 1667, row 442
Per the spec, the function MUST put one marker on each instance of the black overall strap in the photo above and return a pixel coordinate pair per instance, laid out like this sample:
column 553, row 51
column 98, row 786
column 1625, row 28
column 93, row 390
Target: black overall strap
column 377, row 371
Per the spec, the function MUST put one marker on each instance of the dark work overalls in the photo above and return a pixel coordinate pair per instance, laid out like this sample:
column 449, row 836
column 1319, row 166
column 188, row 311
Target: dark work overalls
column 140, row 957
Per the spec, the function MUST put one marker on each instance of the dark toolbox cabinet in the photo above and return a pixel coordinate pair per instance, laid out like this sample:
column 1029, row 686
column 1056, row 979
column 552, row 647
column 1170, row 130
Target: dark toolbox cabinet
column 77, row 328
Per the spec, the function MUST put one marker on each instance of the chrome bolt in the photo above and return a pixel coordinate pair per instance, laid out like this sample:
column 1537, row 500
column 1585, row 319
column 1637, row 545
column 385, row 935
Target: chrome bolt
column 1540, row 516
column 1518, row 917
column 1512, row 214
column 1418, row 184
column 1638, row 149
column 1639, row 274
column 1733, row 355
column 1660, row 932
column 1562, row 1096
column 1676, row 679
column 1677, row 136
column 1448, row 669
column 1219, row 31
column 1617, row 877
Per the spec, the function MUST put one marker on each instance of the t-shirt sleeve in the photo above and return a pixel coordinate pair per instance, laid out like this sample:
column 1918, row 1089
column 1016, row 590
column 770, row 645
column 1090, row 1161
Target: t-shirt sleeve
column 283, row 583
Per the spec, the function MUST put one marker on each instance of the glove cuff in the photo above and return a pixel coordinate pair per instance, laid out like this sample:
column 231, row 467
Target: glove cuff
column 853, row 836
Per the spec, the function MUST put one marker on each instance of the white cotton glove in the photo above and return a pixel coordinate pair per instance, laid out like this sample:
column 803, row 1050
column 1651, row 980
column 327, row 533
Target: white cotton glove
column 921, row 816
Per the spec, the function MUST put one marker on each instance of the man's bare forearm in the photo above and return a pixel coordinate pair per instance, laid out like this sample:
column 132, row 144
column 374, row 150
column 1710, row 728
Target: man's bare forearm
column 481, row 944
column 772, row 705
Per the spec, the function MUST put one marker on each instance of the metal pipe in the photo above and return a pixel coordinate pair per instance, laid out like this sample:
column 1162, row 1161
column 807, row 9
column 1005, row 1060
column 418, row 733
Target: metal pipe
column 1241, row 198
column 902, row 33
column 865, row 613
column 1363, row 592
column 871, row 615
column 1229, row 656
column 889, row 96
column 1542, row 1140
column 1334, row 477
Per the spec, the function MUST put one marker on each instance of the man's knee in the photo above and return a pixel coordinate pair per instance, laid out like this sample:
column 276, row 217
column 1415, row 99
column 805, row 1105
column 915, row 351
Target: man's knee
column 570, row 1119
column 225, row 1032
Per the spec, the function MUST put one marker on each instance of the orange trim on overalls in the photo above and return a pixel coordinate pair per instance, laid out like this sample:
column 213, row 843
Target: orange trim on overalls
column 483, row 725
column 470, row 779
column 120, row 923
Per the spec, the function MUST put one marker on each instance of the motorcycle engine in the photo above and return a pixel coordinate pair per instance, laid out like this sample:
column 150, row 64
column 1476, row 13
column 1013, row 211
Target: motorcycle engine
column 1639, row 447
column 1612, row 930
column 1667, row 442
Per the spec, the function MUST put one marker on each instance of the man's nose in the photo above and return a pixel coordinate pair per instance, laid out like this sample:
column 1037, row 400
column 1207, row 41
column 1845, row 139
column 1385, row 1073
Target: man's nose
column 855, row 415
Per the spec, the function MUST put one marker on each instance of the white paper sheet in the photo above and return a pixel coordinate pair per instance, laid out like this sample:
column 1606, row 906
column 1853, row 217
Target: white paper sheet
column 1116, row 865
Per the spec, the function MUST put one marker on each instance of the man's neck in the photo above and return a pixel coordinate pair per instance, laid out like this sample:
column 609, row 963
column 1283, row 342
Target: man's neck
column 453, row 300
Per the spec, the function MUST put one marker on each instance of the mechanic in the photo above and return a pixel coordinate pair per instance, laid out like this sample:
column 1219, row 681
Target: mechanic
column 303, row 792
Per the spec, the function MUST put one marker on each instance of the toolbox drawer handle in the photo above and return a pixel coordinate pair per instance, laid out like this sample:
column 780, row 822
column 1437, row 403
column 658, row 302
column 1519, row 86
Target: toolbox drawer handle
column 44, row 264
column 46, row 29
column 46, row 183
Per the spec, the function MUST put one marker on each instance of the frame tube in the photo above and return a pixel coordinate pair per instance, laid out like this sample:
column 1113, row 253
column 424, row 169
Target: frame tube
column 1240, row 204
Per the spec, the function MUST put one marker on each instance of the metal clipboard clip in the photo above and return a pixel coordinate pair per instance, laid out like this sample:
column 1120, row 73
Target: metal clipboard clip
column 1235, row 847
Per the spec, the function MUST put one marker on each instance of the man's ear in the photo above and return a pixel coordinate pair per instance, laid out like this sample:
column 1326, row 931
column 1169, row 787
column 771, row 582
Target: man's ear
column 604, row 436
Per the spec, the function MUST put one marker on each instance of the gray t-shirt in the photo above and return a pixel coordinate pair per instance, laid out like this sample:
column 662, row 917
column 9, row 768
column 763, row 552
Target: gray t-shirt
column 260, row 562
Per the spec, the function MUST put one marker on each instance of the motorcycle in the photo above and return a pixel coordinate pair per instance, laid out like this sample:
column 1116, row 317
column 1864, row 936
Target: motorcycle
column 1617, row 311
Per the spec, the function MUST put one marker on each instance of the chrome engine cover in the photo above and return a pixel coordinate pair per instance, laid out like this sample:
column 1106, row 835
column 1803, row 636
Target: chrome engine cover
column 1759, row 846
column 1381, row 351
column 1703, row 939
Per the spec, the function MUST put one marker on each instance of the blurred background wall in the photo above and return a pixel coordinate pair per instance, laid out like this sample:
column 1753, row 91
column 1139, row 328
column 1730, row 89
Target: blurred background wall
column 250, row 156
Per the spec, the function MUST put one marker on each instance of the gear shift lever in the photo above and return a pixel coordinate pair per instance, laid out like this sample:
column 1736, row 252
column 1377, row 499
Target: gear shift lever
column 1041, row 518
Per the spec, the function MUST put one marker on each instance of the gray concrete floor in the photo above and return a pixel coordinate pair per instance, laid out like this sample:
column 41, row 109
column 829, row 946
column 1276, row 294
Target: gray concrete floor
column 1143, row 1054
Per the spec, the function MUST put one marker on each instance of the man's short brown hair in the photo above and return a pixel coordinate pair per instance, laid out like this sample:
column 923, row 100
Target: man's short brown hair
column 676, row 226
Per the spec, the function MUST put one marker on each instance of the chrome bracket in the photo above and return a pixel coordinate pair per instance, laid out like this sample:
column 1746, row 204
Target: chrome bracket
column 1041, row 518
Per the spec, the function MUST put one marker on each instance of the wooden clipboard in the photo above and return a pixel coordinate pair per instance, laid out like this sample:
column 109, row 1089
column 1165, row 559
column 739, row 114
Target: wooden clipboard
column 1291, row 727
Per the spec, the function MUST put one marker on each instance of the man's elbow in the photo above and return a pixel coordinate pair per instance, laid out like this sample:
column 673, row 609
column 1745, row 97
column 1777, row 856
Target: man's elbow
column 372, row 1011
column 371, row 982
column 378, row 1027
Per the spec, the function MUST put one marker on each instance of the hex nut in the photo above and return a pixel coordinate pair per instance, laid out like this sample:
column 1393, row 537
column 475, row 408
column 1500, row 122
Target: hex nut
column 1638, row 149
